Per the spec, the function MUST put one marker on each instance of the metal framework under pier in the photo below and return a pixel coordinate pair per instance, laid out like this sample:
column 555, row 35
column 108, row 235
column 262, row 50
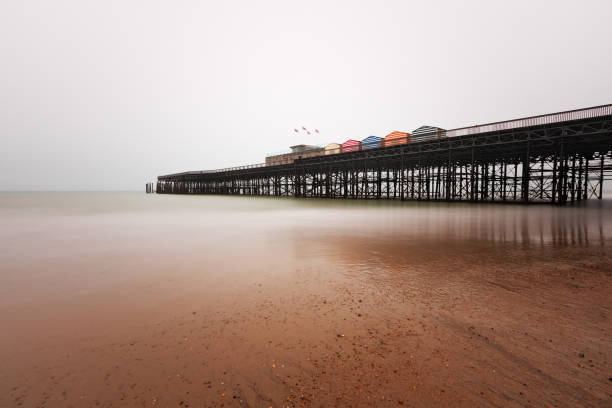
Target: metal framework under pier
column 554, row 163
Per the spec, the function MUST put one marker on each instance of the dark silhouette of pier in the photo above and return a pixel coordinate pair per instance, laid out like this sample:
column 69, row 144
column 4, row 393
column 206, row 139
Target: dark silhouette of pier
column 556, row 158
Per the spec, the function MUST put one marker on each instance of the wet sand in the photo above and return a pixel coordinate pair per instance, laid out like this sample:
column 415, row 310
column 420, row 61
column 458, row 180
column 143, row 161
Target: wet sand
column 141, row 307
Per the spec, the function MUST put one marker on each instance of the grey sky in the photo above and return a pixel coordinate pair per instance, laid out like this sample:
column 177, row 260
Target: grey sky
column 106, row 95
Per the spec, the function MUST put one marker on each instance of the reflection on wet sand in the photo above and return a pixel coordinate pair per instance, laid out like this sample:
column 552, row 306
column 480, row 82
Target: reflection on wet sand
column 512, row 305
column 508, row 225
column 133, row 300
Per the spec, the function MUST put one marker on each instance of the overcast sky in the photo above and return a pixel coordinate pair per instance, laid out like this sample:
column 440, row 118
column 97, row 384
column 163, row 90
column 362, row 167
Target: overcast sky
column 106, row 95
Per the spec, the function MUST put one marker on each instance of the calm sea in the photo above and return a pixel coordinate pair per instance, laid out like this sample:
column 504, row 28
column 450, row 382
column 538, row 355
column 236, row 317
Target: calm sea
column 60, row 244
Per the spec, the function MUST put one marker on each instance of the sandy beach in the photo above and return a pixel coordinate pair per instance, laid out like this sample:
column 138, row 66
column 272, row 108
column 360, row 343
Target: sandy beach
column 295, row 316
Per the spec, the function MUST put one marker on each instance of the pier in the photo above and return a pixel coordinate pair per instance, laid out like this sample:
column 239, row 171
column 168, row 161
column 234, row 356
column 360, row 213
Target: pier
column 559, row 158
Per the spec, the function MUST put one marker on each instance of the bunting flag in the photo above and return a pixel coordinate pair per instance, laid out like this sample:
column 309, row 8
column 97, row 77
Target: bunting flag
column 303, row 128
column 317, row 130
column 295, row 130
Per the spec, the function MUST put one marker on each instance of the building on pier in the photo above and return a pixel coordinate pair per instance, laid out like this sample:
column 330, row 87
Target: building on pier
column 300, row 151
column 397, row 138
column 428, row 133
column 372, row 142
column 333, row 148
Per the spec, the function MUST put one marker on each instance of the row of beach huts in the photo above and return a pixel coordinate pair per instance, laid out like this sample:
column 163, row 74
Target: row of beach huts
column 351, row 145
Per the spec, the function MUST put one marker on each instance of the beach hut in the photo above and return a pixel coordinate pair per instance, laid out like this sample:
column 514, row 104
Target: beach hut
column 428, row 133
column 351, row 146
column 333, row 148
column 372, row 142
column 397, row 138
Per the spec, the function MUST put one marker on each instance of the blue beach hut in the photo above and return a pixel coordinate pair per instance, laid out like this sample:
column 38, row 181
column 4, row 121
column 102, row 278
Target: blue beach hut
column 372, row 142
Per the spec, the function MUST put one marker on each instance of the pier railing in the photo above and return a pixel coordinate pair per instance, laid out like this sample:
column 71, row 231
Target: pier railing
column 195, row 173
column 248, row 166
column 577, row 114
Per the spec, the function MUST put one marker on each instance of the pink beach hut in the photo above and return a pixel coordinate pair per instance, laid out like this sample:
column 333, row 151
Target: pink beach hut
column 351, row 146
